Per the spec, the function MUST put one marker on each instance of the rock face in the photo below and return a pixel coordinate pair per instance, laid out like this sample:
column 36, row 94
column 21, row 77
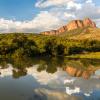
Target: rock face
column 62, row 29
column 52, row 32
column 75, row 24
column 88, row 22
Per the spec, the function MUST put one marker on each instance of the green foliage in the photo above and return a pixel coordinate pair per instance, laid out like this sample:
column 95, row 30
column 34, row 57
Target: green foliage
column 20, row 44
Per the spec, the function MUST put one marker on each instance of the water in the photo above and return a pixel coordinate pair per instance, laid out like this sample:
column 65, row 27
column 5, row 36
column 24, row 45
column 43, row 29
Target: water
column 49, row 78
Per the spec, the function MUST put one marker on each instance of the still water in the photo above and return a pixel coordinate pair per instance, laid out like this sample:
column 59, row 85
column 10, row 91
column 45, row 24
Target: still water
column 49, row 79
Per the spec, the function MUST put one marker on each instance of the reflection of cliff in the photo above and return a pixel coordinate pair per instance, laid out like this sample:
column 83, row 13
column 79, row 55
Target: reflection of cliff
column 75, row 67
column 76, row 72
column 82, row 68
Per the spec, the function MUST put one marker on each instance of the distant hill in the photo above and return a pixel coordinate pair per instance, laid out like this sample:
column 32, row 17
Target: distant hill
column 72, row 25
column 88, row 33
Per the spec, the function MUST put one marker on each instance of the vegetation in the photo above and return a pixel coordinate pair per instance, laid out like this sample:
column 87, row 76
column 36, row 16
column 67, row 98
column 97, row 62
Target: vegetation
column 30, row 45
column 93, row 55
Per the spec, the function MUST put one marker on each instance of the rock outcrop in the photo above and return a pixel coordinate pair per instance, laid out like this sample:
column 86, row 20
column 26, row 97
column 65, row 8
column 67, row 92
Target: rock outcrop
column 89, row 22
column 75, row 24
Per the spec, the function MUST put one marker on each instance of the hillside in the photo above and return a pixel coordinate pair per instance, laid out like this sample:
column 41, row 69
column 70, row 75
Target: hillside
column 77, row 30
column 72, row 25
column 83, row 33
column 89, row 33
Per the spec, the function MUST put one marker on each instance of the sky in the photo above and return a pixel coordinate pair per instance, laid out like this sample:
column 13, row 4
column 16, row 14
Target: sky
column 42, row 15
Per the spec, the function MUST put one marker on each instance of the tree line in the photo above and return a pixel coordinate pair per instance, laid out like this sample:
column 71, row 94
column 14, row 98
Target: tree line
column 20, row 44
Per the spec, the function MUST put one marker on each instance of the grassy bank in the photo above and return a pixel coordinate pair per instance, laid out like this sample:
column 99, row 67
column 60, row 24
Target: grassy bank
column 93, row 55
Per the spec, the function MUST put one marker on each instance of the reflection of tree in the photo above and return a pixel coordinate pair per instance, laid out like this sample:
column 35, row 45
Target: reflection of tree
column 50, row 64
column 42, row 66
column 22, row 62
column 19, row 73
column 51, row 69
column 47, row 64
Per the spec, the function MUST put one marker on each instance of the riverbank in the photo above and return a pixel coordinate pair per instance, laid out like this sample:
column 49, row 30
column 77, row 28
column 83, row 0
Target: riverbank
column 93, row 55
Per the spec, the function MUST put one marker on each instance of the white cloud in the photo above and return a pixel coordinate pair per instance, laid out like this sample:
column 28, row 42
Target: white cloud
column 58, row 3
column 48, row 3
column 59, row 12
column 89, row 9
column 66, row 10
column 43, row 21
column 89, row 1
column 46, row 21
column 68, row 15
column 72, row 4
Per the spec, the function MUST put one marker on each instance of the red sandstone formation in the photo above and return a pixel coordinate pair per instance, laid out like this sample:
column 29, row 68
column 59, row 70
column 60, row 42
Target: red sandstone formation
column 89, row 22
column 75, row 24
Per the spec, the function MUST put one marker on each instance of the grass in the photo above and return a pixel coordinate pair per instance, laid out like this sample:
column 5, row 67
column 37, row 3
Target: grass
column 93, row 55
column 89, row 33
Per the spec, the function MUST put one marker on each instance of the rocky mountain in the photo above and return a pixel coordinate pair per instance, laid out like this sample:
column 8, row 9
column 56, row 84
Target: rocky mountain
column 74, row 24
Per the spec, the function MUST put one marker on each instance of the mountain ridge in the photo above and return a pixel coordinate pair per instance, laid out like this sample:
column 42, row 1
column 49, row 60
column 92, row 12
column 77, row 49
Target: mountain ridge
column 72, row 25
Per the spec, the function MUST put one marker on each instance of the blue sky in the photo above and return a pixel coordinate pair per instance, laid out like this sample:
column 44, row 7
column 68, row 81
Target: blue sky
column 18, row 9
column 41, row 15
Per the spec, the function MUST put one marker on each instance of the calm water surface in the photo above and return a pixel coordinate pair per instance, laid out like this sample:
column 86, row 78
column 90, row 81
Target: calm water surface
column 49, row 78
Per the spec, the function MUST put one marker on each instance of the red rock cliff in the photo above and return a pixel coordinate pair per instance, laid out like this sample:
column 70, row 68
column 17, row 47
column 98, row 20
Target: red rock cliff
column 75, row 24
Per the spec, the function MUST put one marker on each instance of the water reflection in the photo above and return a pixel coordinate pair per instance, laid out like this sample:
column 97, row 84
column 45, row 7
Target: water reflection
column 74, row 67
column 78, row 77
column 17, row 73
column 78, row 69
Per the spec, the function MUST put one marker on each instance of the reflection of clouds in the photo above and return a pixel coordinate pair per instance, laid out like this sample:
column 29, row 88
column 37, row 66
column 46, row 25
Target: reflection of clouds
column 45, row 78
column 71, row 91
column 69, row 81
column 86, row 86
column 87, row 94
column 97, row 72
column 60, row 80
column 7, row 71
column 45, row 94
column 76, row 90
